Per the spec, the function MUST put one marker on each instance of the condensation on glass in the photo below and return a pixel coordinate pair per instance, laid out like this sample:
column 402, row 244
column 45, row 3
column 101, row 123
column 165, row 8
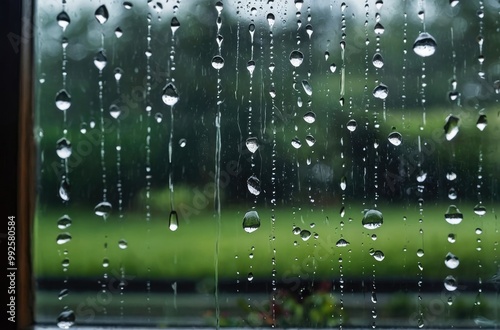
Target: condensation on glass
column 267, row 163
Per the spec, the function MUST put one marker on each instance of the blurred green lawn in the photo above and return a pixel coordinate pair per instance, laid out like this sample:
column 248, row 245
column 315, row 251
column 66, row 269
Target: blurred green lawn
column 156, row 252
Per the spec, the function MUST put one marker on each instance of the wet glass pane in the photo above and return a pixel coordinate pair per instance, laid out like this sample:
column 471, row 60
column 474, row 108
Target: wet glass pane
column 309, row 164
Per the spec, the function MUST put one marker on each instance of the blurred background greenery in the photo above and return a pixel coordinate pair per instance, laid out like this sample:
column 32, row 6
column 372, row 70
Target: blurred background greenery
column 306, row 182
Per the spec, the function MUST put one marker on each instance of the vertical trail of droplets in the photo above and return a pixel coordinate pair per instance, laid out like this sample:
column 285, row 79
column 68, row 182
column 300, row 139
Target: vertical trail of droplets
column 272, row 92
column 102, row 209
column 63, row 149
column 219, row 7
column 147, row 173
column 115, row 112
column 480, row 209
column 173, row 221
column 421, row 176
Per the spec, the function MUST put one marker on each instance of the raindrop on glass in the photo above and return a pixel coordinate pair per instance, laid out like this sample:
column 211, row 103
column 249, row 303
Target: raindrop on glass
column 395, row 138
column 122, row 244
column 480, row 209
column 158, row 117
column 420, row 253
column 63, row 238
column 170, row 95
column 451, row 176
column 453, row 215
column 100, row 60
column 252, row 144
column 378, row 60
column 118, row 74
column 310, row 140
column 64, row 189
column 482, row 122
column 118, row 32
column 305, row 234
column 451, row 127
column 378, row 29
column 270, row 20
column 342, row 243
column 64, row 222
column 253, row 185
column 453, row 3
column 296, row 58
column 351, row 125
column 102, row 209
column 251, row 66
column 251, row 221
column 63, row 20
column 182, row 142
column 372, row 219
column 174, row 24
column 127, row 5
column 451, row 261
column 63, row 100
column 101, row 14
column 173, row 221
column 425, row 45
column 450, row 283
column 296, row 143
column 333, row 68
column 378, row 255
column 217, row 62
column 63, row 148
column 343, row 183
column 66, row 319
column 114, row 111
column 309, row 117
column 381, row 91
column 250, row 277
column 307, row 87
column 451, row 238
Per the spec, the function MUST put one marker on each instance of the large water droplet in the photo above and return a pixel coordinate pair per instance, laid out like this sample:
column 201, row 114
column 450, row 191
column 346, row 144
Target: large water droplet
column 343, row 183
column 482, row 122
column 66, row 319
column 296, row 58
column 270, row 20
column 115, row 111
column 252, row 144
column 309, row 117
column 451, row 238
column 378, row 60
column 64, row 222
column 305, row 234
column 351, row 125
column 451, row 261
column 64, row 190
column 174, row 25
column 173, row 221
column 381, row 91
column 453, row 3
column 342, row 243
column 63, row 100
column 372, row 219
column 63, row 238
column 378, row 255
column 310, row 140
column 450, row 283
column 103, row 209
column 253, row 185
column 453, row 215
column 63, row 148
column 217, row 62
column 480, row 209
column 122, row 244
column 118, row 32
column 425, row 45
column 378, row 29
column 395, row 138
column 63, row 20
column 170, row 95
column 100, row 60
column 251, row 221
column 307, row 87
column 101, row 14
column 451, row 127
column 251, row 66
column 296, row 143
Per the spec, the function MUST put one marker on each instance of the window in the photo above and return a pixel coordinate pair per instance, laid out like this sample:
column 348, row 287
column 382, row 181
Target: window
column 296, row 164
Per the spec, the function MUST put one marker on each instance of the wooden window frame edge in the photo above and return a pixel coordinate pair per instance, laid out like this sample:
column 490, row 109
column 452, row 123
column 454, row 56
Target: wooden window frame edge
column 26, row 175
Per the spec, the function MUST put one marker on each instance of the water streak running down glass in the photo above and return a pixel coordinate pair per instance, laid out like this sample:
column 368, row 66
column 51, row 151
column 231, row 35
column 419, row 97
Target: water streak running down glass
column 288, row 164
